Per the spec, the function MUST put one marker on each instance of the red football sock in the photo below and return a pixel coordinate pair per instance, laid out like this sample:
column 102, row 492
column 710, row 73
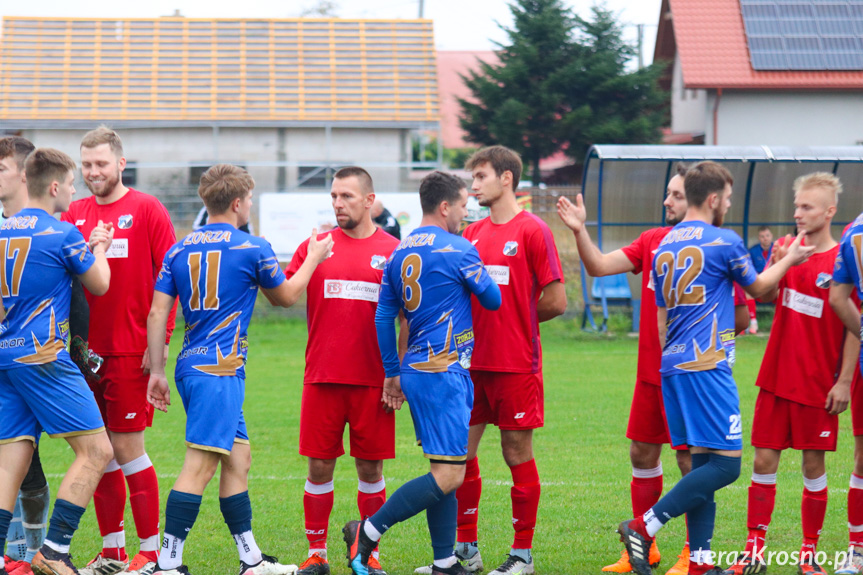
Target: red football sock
column 468, row 502
column 639, row 527
column 855, row 513
column 109, row 501
column 144, row 500
column 370, row 497
column 317, row 505
column 699, row 568
column 645, row 491
column 812, row 511
column 525, row 502
column 762, row 499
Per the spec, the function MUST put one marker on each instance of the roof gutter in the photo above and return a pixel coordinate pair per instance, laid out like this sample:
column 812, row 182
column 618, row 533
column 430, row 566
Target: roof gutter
column 716, row 116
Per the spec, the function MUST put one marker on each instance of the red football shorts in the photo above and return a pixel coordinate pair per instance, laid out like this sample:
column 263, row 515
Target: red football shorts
column 857, row 403
column 327, row 407
column 508, row 400
column 122, row 394
column 647, row 422
column 781, row 423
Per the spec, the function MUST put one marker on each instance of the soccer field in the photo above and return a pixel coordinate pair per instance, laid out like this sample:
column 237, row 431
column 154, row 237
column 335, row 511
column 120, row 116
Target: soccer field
column 581, row 453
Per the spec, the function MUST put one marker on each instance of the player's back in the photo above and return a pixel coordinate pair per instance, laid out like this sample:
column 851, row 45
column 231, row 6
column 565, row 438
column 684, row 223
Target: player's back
column 429, row 273
column 849, row 261
column 40, row 256
column 216, row 272
column 693, row 272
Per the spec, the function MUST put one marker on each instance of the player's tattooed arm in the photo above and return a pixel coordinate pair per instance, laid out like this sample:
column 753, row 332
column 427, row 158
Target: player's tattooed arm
column 840, row 394
column 843, row 305
column 158, row 392
column 595, row 262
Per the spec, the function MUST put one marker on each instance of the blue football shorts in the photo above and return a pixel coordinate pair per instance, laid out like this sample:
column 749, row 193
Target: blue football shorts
column 440, row 405
column 214, row 411
column 703, row 409
column 53, row 397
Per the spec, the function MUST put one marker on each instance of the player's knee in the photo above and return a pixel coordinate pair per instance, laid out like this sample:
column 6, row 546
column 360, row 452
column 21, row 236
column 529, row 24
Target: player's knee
column 99, row 451
column 369, row 471
column 644, row 455
column 684, row 461
column 724, row 469
column 321, row 470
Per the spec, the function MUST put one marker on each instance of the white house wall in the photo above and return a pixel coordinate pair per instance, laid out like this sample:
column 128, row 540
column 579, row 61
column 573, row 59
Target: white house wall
column 688, row 107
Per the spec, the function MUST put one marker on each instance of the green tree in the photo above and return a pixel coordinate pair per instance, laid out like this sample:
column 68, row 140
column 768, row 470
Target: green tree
column 561, row 83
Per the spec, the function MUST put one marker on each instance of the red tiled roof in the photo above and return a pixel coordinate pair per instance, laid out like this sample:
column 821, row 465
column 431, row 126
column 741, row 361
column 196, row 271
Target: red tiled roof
column 451, row 87
column 713, row 52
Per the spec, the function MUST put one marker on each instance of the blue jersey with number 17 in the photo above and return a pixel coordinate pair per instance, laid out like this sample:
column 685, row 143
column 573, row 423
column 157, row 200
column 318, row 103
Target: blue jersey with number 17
column 693, row 271
column 431, row 275
column 215, row 272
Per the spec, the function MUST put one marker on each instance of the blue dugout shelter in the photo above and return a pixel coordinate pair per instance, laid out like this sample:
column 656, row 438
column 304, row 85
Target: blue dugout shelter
column 624, row 187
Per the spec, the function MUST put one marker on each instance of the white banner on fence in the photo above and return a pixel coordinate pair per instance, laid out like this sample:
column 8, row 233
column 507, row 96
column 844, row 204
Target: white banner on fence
column 287, row 219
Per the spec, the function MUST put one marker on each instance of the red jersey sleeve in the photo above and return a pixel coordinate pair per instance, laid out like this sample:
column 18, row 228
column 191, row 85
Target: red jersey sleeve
column 634, row 253
column 297, row 260
column 544, row 259
column 162, row 237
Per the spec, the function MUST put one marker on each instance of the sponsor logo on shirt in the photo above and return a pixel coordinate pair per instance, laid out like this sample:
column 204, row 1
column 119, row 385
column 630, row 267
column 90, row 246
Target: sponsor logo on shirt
column 346, row 289
column 510, row 248
column 825, row 434
column 80, row 222
column 499, row 274
column 124, row 222
column 823, row 280
column 802, row 303
column 464, row 345
column 378, row 262
column 119, row 248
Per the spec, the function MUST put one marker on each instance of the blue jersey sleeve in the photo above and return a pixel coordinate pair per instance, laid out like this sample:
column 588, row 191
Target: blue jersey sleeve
column 165, row 279
column 660, row 300
column 740, row 264
column 473, row 272
column 268, row 275
column 385, row 314
column 843, row 271
column 77, row 256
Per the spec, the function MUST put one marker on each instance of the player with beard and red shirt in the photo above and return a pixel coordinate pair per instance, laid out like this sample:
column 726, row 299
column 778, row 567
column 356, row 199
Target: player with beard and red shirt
column 805, row 378
column 520, row 255
column 342, row 300
column 143, row 233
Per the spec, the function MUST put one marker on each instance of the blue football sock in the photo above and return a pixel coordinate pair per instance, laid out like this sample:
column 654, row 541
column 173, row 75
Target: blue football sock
column 237, row 511
column 408, row 500
column 442, row 520
column 181, row 511
column 64, row 523
column 524, row 554
column 5, row 520
column 698, row 486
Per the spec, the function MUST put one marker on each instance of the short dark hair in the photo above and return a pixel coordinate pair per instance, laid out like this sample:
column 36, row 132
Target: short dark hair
column 221, row 185
column 17, row 147
column 439, row 187
column 45, row 166
column 360, row 174
column 501, row 158
column 703, row 179
column 681, row 169
column 763, row 229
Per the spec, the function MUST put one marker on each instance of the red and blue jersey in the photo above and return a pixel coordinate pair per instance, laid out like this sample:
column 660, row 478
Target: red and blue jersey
column 216, row 271
column 40, row 256
column 693, row 271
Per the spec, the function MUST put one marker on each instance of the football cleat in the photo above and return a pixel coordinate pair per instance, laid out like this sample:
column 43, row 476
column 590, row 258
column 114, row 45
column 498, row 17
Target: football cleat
column 181, row 570
column 360, row 547
column 745, row 564
column 316, row 564
column 853, row 564
column 104, row 566
column 375, row 566
column 638, row 548
column 810, row 567
column 141, row 565
column 268, row 565
column 455, row 569
column 682, row 565
column 514, row 565
column 466, row 553
column 50, row 562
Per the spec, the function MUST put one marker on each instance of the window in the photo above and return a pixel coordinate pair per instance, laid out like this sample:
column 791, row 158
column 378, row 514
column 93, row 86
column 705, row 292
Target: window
column 130, row 176
column 312, row 177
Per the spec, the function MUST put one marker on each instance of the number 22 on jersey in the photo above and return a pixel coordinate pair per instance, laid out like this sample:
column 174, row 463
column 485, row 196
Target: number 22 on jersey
column 690, row 259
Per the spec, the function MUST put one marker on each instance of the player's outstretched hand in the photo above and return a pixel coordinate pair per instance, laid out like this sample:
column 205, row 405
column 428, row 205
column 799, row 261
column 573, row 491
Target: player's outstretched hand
column 573, row 215
column 797, row 251
column 320, row 249
column 158, row 392
column 392, row 397
column 838, row 398
column 102, row 234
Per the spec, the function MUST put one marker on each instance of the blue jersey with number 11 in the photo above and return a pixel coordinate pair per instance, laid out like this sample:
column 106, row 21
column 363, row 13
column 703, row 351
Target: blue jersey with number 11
column 431, row 275
column 693, row 270
column 215, row 272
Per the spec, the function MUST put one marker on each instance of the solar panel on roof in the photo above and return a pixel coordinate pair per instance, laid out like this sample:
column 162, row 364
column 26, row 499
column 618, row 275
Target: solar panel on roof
column 804, row 34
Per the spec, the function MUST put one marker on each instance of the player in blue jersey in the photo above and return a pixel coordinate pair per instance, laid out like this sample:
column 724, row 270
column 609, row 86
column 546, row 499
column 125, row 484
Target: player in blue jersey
column 430, row 276
column 693, row 271
column 40, row 387
column 216, row 271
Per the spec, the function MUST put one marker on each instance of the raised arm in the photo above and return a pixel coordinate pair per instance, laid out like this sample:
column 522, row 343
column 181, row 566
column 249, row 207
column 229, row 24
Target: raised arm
column 768, row 280
column 595, row 262
column 97, row 279
column 287, row 293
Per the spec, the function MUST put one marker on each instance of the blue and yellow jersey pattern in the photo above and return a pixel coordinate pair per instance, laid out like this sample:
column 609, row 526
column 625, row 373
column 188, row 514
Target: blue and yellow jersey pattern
column 693, row 270
column 848, row 268
column 216, row 271
column 40, row 256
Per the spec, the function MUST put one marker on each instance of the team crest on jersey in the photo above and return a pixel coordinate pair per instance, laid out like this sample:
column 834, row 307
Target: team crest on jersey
column 823, row 280
column 378, row 262
column 124, row 222
column 510, row 248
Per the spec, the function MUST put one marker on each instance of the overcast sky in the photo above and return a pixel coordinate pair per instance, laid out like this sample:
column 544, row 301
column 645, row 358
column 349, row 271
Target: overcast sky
column 459, row 24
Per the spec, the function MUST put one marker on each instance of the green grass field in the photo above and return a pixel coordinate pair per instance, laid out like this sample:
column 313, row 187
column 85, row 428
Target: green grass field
column 582, row 456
